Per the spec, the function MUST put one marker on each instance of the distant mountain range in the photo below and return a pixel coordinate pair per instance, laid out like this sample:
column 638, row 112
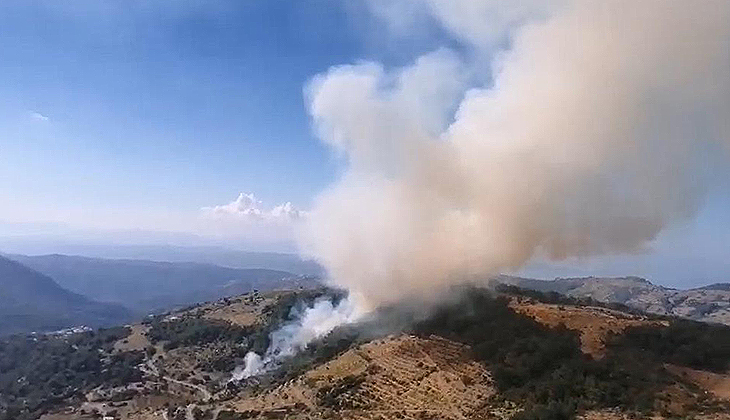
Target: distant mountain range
column 56, row 291
column 709, row 303
column 717, row 286
column 215, row 255
column 212, row 255
column 31, row 301
column 150, row 286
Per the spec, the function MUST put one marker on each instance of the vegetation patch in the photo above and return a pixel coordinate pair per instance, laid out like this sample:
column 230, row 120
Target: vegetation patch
column 194, row 331
column 286, row 309
column 685, row 343
column 544, row 368
column 39, row 372
column 341, row 395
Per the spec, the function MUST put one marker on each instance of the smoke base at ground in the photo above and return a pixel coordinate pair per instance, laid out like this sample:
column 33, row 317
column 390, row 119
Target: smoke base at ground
column 307, row 325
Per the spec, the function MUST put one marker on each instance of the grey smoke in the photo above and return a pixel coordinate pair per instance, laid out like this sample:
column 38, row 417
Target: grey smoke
column 593, row 133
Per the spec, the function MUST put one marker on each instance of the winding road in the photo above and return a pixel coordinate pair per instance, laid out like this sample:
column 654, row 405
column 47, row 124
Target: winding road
column 150, row 369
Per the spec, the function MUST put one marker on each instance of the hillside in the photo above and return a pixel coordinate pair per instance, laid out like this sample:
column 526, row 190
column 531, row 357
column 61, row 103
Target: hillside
column 31, row 301
column 708, row 304
column 477, row 355
column 149, row 286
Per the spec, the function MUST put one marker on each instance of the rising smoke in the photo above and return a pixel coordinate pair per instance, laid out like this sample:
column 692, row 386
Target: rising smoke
column 307, row 325
column 595, row 126
column 594, row 129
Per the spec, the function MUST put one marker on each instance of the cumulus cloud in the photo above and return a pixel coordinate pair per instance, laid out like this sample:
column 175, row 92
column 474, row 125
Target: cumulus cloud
column 287, row 211
column 598, row 127
column 247, row 207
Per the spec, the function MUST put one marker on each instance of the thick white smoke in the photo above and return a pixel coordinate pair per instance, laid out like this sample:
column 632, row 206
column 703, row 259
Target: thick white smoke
column 314, row 322
column 594, row 132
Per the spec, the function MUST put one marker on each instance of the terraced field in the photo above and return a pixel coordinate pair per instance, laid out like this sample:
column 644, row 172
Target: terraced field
column 396, row 377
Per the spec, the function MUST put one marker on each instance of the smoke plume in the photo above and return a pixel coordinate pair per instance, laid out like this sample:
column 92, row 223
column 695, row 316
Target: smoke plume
column 595, row 126
column 311, row 323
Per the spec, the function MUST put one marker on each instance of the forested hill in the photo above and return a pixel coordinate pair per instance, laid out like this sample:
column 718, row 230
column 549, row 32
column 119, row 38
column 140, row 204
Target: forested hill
column 153, row 286
column 31, row 301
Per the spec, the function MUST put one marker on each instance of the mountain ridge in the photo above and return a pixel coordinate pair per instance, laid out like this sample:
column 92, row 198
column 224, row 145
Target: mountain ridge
column 151, row 286
column 716, row 286
column 33, row 301
column 217, row 255
column 708, row 303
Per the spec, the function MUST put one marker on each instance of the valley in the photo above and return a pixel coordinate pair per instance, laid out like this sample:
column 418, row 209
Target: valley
column 53, row 292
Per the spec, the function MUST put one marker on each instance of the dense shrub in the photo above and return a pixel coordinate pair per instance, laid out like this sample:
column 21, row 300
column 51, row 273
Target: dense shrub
column 541, row 366
column 39, row 372
column 555, row 410
column 686, row 343
column 192, row 331
column 339, row 395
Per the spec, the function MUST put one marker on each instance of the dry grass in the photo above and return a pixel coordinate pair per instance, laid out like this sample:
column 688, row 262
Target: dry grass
column 402, row 377
column 137, row 340
column 594, row 324
column 245, row 310
column 717, row 384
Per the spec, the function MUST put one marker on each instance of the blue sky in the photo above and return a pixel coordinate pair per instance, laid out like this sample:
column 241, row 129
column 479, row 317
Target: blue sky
column 114, row 108
column 155, row 105
column 118, row 114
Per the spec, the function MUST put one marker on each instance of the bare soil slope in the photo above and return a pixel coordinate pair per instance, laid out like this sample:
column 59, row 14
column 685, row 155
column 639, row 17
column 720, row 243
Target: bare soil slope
column 396, row 377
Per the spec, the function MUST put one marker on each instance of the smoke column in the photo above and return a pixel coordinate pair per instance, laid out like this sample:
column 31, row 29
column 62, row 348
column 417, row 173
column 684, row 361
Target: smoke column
column 595, row 125
column 312, row 323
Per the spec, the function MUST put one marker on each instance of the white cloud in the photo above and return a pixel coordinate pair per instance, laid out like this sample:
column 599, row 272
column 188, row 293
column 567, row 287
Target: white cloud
column 248, row 207
column 37, row 116
column 245, row 205
column 287, row 211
